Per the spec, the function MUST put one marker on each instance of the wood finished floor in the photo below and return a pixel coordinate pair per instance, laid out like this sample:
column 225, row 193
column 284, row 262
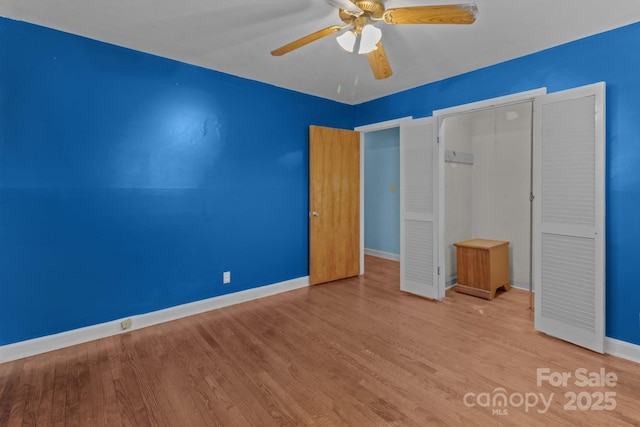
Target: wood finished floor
column 353, row 352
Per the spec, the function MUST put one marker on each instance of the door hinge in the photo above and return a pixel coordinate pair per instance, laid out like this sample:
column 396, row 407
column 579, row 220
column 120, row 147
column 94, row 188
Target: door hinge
column 531, row 197
column 438, row 139
column 438, row 271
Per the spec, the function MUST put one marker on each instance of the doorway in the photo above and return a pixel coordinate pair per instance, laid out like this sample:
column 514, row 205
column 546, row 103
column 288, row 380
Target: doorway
column 393, row 127
column 487, row 184
column 492, row 123
column 381, row 193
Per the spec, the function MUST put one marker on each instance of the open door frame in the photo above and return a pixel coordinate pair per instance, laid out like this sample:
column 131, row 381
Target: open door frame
column 395, row 123
column 440, row 117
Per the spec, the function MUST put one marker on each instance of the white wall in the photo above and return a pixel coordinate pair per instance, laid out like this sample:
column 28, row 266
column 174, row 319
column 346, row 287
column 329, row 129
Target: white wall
column 497, row 185
column 457, row 193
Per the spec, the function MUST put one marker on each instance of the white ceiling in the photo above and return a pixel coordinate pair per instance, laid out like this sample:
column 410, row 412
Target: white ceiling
column 237, row 36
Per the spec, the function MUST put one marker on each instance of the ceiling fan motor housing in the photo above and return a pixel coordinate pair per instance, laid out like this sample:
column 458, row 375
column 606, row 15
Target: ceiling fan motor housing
column 372, row 8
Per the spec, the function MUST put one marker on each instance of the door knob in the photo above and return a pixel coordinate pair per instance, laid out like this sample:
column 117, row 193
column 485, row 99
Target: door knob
column 314, row 213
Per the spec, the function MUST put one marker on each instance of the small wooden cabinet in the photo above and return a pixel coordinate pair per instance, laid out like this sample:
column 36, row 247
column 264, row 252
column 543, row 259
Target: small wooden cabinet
column 483, row 267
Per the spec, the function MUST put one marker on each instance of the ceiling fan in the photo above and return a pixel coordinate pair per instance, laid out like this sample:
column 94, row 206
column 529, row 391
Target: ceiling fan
column 364, row 38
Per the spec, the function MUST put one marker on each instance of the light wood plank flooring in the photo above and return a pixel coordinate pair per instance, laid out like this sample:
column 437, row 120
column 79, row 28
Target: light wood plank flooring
column 353, row 352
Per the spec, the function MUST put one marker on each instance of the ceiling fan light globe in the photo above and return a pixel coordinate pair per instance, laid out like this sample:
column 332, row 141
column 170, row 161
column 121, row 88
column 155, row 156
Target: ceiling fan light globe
column 369, row 39
column 347, row 40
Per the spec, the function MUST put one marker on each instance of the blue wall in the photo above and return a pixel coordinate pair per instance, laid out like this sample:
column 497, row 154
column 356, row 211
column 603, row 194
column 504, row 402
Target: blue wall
column 129, row 183
column 381, row 205
column 610, row 57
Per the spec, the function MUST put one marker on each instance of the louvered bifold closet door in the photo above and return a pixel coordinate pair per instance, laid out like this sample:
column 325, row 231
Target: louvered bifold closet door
column 418, row 228
column 569, row 264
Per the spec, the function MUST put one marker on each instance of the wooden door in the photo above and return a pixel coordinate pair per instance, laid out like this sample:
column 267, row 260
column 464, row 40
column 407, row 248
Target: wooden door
column 569, row 209
column 334, row 204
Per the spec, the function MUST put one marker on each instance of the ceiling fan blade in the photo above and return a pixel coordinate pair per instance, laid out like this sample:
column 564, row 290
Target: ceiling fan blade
column 306, row 40
column 443, row 14
column 379, row 63
column 347, row 6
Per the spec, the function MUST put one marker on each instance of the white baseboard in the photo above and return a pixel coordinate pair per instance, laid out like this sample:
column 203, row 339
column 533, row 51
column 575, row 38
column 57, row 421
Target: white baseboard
column 381, row 254
column 78, row 336
column 520, row 285
column 622, row 349
column 35, row 346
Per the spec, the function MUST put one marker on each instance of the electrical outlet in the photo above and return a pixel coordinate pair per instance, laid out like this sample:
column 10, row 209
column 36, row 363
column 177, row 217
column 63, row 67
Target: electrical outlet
column 226, row 277
column 125, row 324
